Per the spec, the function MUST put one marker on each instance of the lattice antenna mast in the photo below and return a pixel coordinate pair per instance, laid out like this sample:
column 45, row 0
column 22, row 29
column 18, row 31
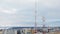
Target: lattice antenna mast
column 43, row 19
column 35, row 15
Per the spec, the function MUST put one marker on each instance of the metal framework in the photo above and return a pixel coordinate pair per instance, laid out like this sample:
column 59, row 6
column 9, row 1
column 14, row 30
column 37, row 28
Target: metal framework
column 35, row 16
column 43, row 19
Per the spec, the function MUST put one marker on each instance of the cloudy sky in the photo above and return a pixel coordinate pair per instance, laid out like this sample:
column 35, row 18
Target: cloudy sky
column 21, row 12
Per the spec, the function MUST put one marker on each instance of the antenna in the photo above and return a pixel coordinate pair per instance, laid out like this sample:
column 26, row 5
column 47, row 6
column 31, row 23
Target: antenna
column 43, row 19
column 35, row 17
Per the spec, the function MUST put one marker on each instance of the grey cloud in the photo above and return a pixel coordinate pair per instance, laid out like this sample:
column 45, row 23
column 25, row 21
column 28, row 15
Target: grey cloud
column 26, row 8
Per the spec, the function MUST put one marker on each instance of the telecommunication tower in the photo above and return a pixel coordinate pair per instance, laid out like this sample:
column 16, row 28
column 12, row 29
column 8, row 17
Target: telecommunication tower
column 35, row 17
column 43, row 20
